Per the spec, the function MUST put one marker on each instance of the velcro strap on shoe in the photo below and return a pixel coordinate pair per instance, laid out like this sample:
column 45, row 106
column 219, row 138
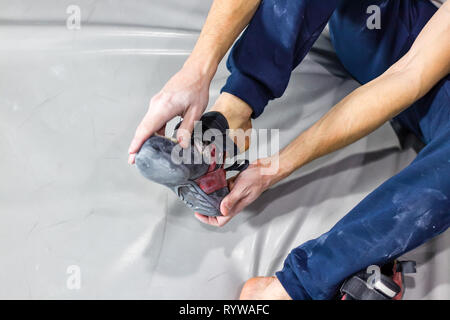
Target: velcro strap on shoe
column 357, row 288
column 389, row 285
column 407, row 266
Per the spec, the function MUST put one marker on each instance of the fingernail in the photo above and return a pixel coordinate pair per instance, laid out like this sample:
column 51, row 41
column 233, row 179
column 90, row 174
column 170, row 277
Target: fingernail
column 183, row 143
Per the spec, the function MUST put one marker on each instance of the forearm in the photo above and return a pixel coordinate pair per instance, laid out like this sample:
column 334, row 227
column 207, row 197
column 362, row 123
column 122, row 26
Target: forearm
column 371, row 105
column 357, row 115
column 225, row 21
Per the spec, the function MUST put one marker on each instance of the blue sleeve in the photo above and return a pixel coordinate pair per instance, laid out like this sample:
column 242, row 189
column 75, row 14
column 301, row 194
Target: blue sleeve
column 277, row 39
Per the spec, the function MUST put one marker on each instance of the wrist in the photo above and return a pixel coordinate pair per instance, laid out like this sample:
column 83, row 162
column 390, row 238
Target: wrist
column 204, row 65
column 297, row 154
column 237, row 111
column 271, row 171
column 284, row 167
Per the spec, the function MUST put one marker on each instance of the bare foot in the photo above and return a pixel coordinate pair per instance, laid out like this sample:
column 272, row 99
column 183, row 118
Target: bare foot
column 264, row 288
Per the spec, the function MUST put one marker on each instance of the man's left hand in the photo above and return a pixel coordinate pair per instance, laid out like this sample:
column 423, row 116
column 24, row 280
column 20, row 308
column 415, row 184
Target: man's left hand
column 244, row 189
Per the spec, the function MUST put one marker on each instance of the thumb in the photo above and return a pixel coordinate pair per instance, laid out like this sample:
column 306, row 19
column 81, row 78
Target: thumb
column 229, row 202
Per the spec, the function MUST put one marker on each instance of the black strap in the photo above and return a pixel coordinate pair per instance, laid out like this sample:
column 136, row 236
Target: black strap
column 407, row 266
column 357, row 288
column 238, row 166
column 216, row 121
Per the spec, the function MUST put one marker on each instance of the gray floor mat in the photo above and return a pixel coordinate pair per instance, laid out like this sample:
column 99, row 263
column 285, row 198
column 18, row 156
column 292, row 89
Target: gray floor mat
column 70, row 204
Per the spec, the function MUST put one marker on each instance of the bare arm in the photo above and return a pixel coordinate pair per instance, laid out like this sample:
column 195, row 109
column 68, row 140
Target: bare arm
column 371, row 105
column 225, row 21
column 186, row 94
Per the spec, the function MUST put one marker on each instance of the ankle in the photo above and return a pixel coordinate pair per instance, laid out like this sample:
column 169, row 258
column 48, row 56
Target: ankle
column 238, row 114
column 264, row 288
column 236, row 111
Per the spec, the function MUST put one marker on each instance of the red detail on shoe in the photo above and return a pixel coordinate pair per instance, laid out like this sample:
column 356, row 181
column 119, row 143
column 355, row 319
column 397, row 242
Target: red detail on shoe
column 398, row 279
column 214, row 179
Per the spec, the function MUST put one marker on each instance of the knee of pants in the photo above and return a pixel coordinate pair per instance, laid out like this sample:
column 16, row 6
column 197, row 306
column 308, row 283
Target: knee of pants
column 403, row 213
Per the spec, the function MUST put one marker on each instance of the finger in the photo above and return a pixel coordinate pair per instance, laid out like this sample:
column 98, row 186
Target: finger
column 162, row 131
column 227, row 204
column 145, row 129
column 201, row 218
column 148, row 126
column 212, row 221
column 238, row 207
column 132, row 158
column 221, row 221
column 187, row 126
column 231, row 182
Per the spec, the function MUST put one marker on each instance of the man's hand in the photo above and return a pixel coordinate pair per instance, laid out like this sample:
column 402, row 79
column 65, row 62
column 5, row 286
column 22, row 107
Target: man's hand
column 245, row 188
column 185, row 94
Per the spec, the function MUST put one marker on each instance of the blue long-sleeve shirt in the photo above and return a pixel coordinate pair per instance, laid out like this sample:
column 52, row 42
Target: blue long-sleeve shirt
column 277, row 39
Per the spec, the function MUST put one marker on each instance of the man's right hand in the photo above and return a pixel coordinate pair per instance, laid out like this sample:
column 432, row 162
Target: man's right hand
column 186, row 94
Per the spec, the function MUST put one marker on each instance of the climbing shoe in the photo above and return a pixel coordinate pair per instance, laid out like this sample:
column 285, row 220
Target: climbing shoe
column 196, row 174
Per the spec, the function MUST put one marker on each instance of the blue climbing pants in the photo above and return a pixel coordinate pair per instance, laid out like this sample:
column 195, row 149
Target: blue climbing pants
column 405, row 211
